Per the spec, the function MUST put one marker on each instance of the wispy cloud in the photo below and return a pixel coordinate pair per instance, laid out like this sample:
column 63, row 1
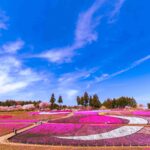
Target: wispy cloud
column 12, row 47
column 115, row 12
column 85, row 33
column 133, row 65
column 13, row 76
column 70, row 84
column 3, row 20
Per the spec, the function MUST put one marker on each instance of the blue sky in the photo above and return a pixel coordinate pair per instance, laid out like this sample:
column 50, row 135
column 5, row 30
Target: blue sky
column 68, row 47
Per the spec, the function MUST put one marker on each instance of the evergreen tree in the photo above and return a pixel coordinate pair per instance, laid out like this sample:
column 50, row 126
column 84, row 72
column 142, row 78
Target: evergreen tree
column 86, row 99
column 60, row 100
column 82, row 101
column 91, row 101
column 52, row 100
column 108, row 103
column 78, row 100
column 96, row 102
column 148, row 105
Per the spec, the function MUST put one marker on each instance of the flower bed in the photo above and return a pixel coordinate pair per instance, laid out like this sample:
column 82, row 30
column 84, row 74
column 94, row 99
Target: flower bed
column 47, row 133
column 92, row 119
column 102, row 119
column 141, row 113
column 17, row 121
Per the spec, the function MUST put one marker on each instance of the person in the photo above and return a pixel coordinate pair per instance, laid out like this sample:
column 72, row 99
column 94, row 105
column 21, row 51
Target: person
column 15, row 131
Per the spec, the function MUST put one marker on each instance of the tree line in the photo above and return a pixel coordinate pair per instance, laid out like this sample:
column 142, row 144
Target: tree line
column 14, row 103
column 120, row 102
column 87, row 100
column 94, row 101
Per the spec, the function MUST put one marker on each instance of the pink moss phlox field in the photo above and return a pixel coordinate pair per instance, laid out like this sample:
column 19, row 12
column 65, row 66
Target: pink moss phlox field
column 47, row 133
column 141, row 113
column 5, row 116
column 84, row 123
column 55, row 129
column 95, row 112
column 17, row 120
column 42, row 136
column 91, row 119
column 102, row 119
column 33, row 113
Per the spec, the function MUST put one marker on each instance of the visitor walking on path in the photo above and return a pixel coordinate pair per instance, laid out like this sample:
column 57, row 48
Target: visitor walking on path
column 15, row 131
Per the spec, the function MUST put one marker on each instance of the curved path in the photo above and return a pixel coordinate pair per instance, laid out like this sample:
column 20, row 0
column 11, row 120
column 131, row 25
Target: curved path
column 119, row 132
column 4, row 138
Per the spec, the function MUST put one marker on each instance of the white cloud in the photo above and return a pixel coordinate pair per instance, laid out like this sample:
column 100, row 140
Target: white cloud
column 71, row 84
column 3, row 20
column 84, row 33
column 2, row 25
column 69, row 78
column 13, row 76
column 58, row 55
column 71, row 93
column 115, row 12
column 12, row 47
column 133, row 65
column 86, row 24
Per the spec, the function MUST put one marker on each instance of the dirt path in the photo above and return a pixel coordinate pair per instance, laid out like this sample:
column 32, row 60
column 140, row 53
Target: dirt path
column 4, row 138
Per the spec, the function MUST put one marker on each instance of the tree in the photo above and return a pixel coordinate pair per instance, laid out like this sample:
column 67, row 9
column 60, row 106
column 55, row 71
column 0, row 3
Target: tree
column 96, row 102
column 52, row 100
column 60, row 101
column 120, row 102
column 43, row 105
column 86, row 99
column 78, row 100
column 114, row 103
column 82, row 101
column 148, row 105
column 108, row 103
column 90, row 101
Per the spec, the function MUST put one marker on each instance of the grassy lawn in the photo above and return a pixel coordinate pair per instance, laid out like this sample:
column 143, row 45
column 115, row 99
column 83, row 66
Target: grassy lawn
column 28, row 115
column 21, row 119
column 16, row 147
